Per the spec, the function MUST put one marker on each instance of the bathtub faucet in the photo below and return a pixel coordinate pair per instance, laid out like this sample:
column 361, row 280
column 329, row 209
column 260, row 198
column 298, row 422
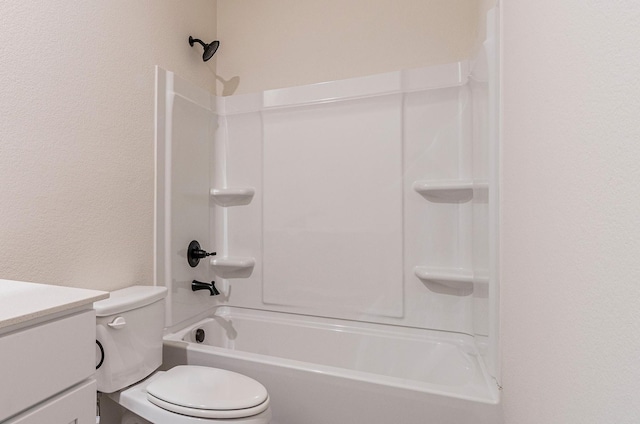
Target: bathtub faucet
column 199, row 285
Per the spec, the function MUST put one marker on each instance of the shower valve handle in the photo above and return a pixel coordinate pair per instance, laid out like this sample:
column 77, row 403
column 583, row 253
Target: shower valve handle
column 195, row 253
column 201, row 254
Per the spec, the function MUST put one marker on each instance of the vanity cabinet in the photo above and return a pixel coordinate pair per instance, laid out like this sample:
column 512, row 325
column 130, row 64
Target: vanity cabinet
column 47, row 359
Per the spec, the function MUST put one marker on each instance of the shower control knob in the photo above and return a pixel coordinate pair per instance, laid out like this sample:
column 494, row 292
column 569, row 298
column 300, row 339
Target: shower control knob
column 195, row 253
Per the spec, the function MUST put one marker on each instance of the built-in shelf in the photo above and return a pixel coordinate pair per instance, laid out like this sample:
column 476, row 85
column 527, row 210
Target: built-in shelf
column 449, row 191
column 233, row 267
column 456, row 278
column 236, row 196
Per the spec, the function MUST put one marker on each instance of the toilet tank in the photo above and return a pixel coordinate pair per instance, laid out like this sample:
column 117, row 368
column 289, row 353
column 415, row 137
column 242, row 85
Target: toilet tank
column 129, row 327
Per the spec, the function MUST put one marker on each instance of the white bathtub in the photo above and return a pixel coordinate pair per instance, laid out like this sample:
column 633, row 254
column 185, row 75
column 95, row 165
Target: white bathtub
column 324, row 371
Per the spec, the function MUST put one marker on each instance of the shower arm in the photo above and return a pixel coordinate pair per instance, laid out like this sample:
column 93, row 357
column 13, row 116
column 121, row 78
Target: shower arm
column 196, row 40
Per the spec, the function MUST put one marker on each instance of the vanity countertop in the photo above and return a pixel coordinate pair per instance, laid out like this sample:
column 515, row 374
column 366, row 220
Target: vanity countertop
column 21, row 302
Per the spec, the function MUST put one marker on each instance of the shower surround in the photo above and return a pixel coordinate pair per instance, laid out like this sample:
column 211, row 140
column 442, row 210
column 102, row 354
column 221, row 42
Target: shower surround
column 345, row 215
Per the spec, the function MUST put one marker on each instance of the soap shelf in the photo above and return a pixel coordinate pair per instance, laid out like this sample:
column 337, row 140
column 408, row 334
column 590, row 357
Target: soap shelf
column 233, row 267
column 236, row 196
column 448, row 191
column 450, row 277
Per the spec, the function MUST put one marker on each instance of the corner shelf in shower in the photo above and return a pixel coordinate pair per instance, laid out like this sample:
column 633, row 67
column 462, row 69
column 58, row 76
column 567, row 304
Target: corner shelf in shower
column 450, row 277
column 234, row 196
column 448, row 191
column 233, row 267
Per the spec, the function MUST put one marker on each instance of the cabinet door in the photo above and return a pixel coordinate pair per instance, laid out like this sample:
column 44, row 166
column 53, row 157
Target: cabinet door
column 41, row 361
column 75, row 406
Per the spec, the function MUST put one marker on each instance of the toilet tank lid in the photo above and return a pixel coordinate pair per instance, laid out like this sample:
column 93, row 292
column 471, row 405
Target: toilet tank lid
column 128, row 299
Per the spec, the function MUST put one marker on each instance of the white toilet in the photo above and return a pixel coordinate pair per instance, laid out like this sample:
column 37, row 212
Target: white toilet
column 129, row 349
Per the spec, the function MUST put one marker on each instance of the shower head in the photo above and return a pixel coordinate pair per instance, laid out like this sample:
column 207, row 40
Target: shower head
column 209, row 49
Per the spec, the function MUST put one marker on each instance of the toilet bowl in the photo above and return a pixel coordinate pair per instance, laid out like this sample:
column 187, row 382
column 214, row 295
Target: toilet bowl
column 129, row 351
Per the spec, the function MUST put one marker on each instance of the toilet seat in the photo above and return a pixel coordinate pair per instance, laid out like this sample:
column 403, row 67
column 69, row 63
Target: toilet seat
column 207, row 392
column 135, row 399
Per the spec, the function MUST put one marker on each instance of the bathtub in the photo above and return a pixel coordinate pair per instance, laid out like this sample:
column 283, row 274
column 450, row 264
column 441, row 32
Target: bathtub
column 325, row 371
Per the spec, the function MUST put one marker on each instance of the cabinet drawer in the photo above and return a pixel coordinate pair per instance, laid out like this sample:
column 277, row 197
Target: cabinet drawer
column 75, row 406
column 41, row 361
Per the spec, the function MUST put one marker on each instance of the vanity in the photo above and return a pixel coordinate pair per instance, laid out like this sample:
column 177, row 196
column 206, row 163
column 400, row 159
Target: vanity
column 47, row 354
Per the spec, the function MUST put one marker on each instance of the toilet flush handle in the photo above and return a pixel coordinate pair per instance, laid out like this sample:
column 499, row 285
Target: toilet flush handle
column 117, row 323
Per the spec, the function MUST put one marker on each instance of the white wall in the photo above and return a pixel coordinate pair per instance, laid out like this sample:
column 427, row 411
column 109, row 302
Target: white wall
column 76, row 133
column 571, row 204
column 282, row 43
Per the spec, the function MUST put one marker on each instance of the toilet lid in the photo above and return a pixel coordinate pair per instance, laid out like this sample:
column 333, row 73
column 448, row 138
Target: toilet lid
column 208, row 393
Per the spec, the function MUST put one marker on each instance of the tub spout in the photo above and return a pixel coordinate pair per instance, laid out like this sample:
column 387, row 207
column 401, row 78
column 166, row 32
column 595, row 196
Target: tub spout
column 199, row 285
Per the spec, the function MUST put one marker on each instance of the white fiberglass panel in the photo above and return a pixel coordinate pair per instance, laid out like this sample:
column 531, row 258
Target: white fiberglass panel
column 435, row 149
column 428, row 124
column 332, row 207
column 184, row 133
column 191, row 138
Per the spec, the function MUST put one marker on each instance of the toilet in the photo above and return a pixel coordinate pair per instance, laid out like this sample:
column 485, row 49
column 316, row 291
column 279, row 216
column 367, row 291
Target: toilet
column 129, row 351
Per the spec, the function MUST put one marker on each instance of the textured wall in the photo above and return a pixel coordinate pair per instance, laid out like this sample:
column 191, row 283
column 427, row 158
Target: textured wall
column 76, row 133
column 282, row 43
column 571, row 204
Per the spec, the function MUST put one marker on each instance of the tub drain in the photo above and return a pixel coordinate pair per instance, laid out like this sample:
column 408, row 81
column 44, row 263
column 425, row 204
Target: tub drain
column 199, row 335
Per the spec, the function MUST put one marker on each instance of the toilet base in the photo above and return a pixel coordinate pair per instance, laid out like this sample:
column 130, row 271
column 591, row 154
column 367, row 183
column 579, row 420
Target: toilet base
column 134, row 400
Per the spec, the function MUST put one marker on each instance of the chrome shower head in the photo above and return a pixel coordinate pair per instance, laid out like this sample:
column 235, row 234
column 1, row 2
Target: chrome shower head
column 209, row 49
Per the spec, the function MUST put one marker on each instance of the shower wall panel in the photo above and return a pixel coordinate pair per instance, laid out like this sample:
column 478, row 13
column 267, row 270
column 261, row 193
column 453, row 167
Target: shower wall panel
column 336, row 226
column 184, row 131
column 332, row 207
